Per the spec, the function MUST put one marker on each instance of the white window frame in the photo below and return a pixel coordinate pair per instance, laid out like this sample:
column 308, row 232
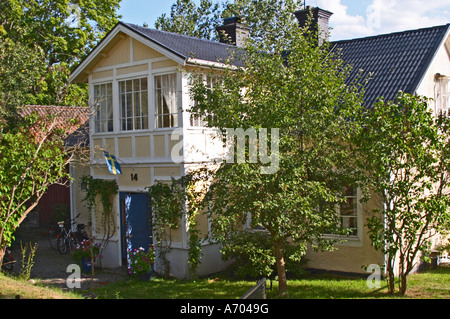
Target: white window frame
column 347, row 217
column 195, row 120
column 103, row 119
column 442, row 94
column 139, row 118
column 352, row 239
column 161, row 115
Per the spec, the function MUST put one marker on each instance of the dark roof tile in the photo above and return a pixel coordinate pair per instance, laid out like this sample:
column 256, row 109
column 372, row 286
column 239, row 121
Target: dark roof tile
column 186, row 46
column 397, row 61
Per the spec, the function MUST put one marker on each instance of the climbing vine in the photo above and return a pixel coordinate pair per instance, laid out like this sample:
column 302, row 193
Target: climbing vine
column 106, row 189
column 170, row 202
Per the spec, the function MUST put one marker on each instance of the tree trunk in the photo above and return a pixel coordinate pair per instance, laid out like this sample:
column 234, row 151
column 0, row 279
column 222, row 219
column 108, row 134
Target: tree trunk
column 2, row 254
column 403, row 284
column 391, row 276
column 281, row 268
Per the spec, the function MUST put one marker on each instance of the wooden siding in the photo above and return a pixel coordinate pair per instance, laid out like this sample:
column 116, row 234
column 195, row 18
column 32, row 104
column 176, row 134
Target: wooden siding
column 47, row 207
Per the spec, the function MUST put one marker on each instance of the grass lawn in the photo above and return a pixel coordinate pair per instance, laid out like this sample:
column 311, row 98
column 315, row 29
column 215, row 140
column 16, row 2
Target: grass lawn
column 159, row 288
column 433, row 284
column 10, row 287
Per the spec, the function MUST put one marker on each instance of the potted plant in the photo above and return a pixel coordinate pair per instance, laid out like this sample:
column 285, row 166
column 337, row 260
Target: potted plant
column 141, row 262
column 84, row 252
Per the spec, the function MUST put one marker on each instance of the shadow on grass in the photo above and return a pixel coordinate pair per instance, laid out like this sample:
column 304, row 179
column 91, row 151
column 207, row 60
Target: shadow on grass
column 322, row 286
column 159, row 288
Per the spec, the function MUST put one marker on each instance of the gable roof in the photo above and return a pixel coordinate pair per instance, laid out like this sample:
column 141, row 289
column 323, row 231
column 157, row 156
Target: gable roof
column 186, row 47
column 397, row 61
column 181, row 48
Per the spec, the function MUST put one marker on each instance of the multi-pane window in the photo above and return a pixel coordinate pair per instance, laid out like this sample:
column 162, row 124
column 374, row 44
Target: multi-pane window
column 104, row 110
column 196, row 120
column 442, row 94
column 133, row 100
column 348, row 211
column 166, row 101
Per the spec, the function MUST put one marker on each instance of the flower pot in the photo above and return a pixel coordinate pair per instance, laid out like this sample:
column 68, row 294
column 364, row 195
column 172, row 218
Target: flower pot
column 86, row 265
column 147, row 276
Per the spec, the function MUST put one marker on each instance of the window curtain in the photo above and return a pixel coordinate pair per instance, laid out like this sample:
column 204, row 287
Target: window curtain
column 169, row 92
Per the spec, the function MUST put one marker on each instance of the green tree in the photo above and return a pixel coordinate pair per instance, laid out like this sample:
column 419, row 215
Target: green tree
column 404, row 151
column 65, row 31
column 292, row 84
column 266, row 18
column 189, row 19
column 20, row 69
column 32, row 157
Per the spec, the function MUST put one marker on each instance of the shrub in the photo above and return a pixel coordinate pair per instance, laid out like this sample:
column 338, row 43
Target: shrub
column 253, row 256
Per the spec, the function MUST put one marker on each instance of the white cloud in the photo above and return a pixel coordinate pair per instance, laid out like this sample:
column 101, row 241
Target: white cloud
column 400, row 15
column 382, row 16
column 343, row 25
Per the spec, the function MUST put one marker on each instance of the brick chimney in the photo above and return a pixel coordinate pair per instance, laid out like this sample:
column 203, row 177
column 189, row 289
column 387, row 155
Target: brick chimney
column 233, row 32
column 320, row 18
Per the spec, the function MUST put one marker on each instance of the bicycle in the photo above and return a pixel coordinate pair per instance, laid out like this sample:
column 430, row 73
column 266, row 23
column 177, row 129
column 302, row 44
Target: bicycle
column 68, row 239
column 54, row 233
column 57, row 231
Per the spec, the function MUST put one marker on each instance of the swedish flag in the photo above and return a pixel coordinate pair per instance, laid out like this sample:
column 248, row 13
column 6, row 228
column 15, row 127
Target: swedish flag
column 113, row 164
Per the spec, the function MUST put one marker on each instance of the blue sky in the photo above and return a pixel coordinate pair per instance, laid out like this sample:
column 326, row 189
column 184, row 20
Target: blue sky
column 350, row 19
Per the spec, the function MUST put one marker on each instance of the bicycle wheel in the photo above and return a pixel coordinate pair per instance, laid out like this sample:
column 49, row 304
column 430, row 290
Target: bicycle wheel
column 62, row 245
column 53, row 238
column 72, row 243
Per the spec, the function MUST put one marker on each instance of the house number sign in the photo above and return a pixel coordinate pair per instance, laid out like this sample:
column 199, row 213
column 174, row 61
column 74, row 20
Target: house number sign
column 134, row 177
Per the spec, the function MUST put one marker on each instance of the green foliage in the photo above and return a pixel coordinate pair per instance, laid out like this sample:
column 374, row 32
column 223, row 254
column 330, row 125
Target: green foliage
column 85, row 250
column 252, row 254
column 404, row 151
column 264, row 17
column 167, row 210
column 99, row 187
column 267, row 19
column 20, row 69
column 189, row 19
column 29, row 163
column 106, row 190
column 170, row 202
column 64, row 32
column 28, row 253
column 141, row 261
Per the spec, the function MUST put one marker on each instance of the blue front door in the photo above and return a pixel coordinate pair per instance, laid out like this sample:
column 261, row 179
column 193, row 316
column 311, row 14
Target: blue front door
column 135, row 228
